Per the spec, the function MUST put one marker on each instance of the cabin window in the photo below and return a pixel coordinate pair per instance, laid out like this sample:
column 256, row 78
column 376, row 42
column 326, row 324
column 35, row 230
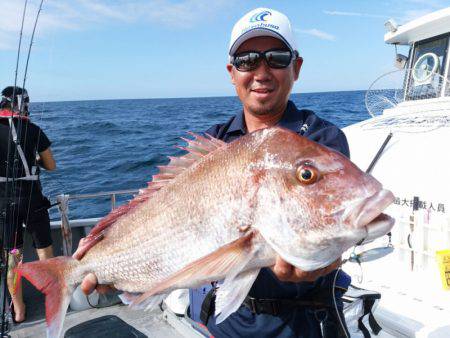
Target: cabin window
column 425, row 79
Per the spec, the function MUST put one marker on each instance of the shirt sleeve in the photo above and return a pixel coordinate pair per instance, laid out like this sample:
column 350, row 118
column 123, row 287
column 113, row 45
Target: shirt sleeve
column 43, row 143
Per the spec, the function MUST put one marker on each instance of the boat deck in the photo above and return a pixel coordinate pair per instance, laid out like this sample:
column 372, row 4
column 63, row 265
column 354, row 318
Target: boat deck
column 156, row 323
column 151, row 324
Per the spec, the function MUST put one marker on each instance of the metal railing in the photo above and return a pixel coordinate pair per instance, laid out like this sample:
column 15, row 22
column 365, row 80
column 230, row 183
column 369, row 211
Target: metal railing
column 65, row 224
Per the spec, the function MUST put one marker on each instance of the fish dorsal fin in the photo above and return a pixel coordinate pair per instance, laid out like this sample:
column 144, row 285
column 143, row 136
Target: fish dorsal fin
column 196, row 148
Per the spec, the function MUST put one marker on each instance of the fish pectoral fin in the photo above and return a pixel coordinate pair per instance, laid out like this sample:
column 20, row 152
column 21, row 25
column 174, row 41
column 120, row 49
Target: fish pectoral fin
column 128, row 297
column 232, row 293
column 228, row 260
column 149, row 303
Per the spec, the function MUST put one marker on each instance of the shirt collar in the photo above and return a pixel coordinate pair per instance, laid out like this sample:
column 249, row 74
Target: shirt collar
column 238, row 124
column 290, row 120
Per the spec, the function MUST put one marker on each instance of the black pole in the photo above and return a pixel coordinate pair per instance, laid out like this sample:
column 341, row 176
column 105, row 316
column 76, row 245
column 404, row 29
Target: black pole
column 7, row 213
column 378, row 155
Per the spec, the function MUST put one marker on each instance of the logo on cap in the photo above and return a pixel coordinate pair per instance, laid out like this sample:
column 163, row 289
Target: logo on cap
column 260, row 16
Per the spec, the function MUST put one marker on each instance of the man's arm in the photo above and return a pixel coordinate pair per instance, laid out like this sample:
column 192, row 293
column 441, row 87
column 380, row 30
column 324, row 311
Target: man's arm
column 46, row 160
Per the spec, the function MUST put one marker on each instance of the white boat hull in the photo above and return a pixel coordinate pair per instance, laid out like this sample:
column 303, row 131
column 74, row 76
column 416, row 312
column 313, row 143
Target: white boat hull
column 415, row 163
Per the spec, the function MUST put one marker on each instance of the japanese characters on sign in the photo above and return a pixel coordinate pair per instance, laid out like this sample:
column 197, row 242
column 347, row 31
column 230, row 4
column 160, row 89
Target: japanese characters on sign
column 435, row 206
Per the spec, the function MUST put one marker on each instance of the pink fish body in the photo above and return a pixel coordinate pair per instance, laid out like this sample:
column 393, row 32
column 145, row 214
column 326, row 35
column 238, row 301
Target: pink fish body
column 223, row 211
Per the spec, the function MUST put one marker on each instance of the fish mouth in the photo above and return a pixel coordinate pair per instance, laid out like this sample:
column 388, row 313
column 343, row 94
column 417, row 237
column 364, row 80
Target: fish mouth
column 367, row 215
column 378, row 227
column 367, row 210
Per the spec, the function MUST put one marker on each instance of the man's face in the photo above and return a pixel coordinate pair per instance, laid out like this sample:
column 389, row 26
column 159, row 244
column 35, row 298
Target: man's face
column 264, row 90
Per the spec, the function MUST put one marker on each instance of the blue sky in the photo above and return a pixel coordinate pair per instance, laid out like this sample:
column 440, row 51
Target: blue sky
column 111, row 49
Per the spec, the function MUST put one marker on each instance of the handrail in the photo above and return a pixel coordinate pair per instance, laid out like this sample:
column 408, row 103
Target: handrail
column 77, row 223
column 63, row 206
column 102, row 194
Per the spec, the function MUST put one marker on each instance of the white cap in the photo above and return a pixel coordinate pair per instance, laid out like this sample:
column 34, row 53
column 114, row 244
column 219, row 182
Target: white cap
column 262, row 22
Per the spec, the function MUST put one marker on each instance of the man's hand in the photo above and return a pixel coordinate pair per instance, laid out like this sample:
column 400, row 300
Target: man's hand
column 77, row 254
column 90, row 283
column 286, row 272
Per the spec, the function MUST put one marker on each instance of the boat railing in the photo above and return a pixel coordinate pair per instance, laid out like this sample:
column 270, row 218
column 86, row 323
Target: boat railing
column 65, row 224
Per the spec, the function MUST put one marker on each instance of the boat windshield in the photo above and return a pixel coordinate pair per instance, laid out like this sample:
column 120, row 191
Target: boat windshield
column 428, row 59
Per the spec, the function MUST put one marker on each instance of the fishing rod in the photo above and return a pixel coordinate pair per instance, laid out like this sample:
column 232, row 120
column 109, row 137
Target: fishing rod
column 6, row 232
column 22, row 98
column 21, row 105
column 31, row 44
column 11, row 183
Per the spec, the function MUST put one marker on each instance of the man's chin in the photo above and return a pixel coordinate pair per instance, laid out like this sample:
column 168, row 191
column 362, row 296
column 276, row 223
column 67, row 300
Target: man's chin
column 262, row 108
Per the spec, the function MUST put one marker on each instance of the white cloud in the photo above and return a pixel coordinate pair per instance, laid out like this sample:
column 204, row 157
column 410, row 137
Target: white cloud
column 83, row 14
column 7, row 40
column 412, row 14
column 366, row 15
column 104, row 11
column 401, row 11
column 436, row 4
column 317, row 33
column 339, row 13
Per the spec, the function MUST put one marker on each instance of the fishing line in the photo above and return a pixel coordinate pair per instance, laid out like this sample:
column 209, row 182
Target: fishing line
column 8, row 196
column 13, row 185
column 47, row 127
column 23, row 86
column 341, row 322
column 18, row 53
column 20, row 122
column 4, row 323
column 12, row 109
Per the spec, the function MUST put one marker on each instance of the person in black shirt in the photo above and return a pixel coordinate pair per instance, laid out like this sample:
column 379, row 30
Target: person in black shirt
column 28, row 149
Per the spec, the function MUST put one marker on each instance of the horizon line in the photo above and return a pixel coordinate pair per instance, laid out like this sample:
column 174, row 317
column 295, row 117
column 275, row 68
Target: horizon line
column 187, row 97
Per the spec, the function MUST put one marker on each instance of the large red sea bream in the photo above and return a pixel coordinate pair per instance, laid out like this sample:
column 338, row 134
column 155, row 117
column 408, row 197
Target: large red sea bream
column 223, row 211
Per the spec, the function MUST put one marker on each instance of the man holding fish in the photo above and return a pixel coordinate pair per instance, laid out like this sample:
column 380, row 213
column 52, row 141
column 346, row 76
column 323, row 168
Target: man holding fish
column 264, row 64
column 260, row 205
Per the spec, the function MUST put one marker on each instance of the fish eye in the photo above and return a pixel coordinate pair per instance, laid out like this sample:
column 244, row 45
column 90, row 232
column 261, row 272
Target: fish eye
column 307, row 174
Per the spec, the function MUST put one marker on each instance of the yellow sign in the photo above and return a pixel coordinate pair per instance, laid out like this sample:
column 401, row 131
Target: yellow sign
column 443, row 258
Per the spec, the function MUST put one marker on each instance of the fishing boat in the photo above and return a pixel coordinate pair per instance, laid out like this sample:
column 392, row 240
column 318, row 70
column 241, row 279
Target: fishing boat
column 403, row 144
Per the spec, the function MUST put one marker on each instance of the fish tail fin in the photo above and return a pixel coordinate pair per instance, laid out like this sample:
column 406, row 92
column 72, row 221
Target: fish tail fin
column 51, row 277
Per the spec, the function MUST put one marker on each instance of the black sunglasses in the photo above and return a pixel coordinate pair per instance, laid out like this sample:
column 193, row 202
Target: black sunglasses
column 275, row 58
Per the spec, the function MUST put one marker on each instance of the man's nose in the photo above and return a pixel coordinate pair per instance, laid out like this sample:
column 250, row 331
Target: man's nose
column 263, row 72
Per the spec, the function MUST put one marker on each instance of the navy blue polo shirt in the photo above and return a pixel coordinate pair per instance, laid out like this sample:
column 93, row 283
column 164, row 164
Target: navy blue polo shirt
column 300, row 322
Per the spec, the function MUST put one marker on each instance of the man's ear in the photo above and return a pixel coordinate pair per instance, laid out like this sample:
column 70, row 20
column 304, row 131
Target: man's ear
column 297, row 66
column 230, row 71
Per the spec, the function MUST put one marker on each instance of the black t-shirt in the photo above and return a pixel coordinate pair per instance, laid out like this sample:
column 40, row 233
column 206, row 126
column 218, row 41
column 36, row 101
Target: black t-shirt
column 32, row 141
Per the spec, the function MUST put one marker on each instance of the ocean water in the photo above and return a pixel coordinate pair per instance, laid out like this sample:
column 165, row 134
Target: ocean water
column 112, row 145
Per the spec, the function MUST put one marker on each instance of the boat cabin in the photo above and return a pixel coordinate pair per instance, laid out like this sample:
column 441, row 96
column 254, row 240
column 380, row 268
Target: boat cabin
column 427, row 65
